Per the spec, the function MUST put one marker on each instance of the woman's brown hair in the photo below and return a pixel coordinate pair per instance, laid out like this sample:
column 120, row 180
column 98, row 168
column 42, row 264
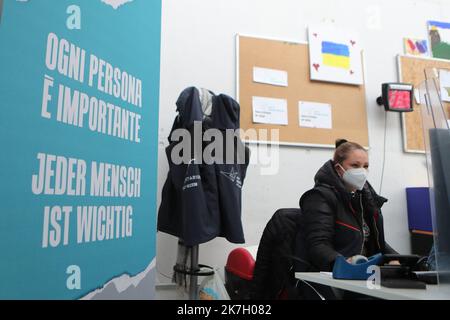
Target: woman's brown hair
column 343, row 149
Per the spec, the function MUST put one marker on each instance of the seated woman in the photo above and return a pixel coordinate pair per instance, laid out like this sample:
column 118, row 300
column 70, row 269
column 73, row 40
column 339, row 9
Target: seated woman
column 341, row 215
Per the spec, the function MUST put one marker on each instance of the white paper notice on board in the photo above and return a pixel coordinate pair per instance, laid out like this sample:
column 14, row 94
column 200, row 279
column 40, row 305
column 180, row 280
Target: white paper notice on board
column 444, row 79
column 270, row 111
column 315, row 115
column 417, row 96
column 270, row 76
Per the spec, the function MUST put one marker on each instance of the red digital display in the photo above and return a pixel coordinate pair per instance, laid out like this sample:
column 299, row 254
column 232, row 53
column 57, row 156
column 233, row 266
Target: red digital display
column 400, row 99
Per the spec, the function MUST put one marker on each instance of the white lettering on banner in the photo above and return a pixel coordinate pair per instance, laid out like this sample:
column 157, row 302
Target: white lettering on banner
column 57, row 176
column 94, row 224
column 46, row 97
column 70, row 60
column 105, row 118
column 114, row 81
column 104, row 223
column 108, row 180
column 78, row 109
column 53, row 218
column 74, row 280
column 65, row 57
column 74, row 20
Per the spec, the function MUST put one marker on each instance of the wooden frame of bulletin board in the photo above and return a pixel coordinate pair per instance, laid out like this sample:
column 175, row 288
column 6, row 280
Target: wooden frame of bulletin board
column 349, row 115
column 411, row 69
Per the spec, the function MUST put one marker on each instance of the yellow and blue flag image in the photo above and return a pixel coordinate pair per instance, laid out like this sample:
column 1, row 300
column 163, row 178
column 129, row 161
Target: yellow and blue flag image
column 336, row 55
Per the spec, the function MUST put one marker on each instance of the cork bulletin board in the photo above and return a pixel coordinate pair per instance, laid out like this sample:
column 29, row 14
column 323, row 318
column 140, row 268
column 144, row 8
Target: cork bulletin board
column 412, row 70
column 349, row 117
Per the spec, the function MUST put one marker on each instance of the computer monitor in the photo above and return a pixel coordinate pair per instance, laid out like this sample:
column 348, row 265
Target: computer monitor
column 398, row 97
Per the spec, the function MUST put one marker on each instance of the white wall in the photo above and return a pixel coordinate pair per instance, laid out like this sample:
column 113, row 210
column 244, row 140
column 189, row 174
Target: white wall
column 198, row 49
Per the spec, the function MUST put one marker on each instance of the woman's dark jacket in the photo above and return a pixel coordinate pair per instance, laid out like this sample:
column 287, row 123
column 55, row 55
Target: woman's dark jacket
column 330, row 225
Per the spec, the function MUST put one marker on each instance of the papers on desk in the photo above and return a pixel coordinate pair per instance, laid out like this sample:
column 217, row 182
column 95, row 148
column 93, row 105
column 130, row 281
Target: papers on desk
column 270, row 76
column 270, row 111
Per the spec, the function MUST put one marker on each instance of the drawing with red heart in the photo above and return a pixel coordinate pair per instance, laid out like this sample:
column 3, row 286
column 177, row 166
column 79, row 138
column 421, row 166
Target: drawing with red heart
column 316, row 66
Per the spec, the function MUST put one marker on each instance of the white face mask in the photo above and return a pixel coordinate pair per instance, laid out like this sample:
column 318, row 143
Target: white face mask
column 355, row 177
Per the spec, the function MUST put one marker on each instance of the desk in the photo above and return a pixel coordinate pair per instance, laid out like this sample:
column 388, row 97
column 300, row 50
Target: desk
column 433, row 292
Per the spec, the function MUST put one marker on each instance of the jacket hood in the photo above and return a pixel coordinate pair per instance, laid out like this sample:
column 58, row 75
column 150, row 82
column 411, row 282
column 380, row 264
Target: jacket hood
column 328, row 176
column 224, row 115
column 189, row 107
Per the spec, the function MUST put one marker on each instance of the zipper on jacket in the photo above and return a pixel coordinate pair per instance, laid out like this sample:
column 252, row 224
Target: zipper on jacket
column 362, row 223
column 377, row 233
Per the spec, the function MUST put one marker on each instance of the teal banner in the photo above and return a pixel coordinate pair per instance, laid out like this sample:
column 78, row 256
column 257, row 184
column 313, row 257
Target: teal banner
column 79, row 95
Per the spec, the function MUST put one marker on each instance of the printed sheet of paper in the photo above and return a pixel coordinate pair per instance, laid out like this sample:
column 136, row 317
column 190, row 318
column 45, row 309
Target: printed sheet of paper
column 444, row 79
column 417, row 95
column 270, row 111
column 315, row 115
column 270, row 76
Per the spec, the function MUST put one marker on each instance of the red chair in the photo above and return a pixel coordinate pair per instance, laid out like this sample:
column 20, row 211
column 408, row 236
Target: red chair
column 239, row 273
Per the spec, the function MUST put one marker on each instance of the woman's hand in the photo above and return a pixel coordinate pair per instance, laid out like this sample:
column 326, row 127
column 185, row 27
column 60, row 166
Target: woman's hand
column 394, row 263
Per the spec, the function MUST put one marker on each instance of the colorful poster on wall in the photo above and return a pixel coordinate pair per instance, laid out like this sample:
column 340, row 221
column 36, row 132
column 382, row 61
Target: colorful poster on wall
column 79, row 88
column 439, row 33
column 416, row 47
column 444, row 79
column 335, row 55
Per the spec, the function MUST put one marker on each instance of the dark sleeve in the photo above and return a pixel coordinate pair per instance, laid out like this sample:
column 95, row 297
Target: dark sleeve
column 387, row 248
column 375, row 206
column 319, row 229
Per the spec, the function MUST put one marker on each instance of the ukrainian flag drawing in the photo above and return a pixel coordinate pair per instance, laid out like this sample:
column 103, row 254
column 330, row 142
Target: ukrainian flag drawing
column 336, row 55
